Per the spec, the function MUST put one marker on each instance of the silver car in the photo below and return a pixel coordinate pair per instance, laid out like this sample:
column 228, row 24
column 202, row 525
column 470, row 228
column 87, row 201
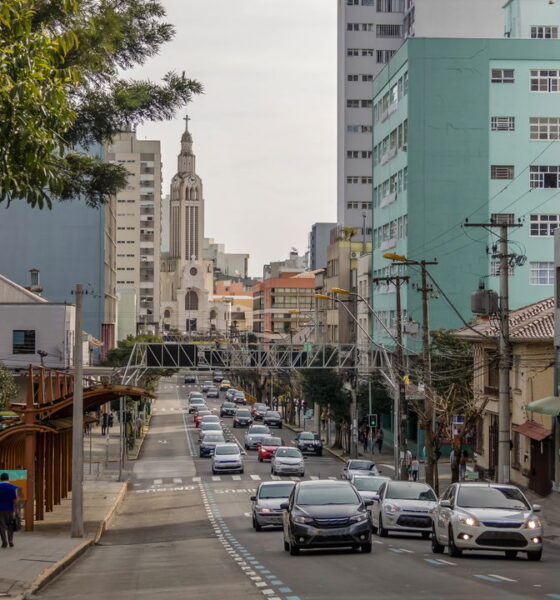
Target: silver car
column 287, row 461
column 227, row 459
column 358, row 467
column 255, row 435
column 405, row 506
column 487, row 516
column 368, row 487
column 266, row 503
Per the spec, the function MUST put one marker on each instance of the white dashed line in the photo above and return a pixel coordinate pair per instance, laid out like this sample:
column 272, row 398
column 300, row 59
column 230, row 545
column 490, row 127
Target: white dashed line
column 502, row 578
column 236, row 477
column 158, row 481
column 216, row 478
column 332, row 478
column 197, row 479
column 255, row 477
column 447, row 562
column 177, row 480
column 313, row 477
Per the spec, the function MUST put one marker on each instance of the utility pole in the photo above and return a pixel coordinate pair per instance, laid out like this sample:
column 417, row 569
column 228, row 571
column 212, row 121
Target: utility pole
column 503, row 222
column 77, row 527
column 399, row 409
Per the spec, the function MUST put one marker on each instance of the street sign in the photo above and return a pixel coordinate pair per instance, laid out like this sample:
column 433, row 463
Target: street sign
column 372, row 420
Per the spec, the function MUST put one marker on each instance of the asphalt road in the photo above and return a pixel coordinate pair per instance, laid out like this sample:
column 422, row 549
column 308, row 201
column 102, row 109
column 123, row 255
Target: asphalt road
column 184, row 533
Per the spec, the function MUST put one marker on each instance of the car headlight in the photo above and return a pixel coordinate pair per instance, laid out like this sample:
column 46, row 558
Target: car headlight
column 470, row 521
column 532, row 524
column 264, row 510
column 303, row 520
column 391, row 508
column 358, row 518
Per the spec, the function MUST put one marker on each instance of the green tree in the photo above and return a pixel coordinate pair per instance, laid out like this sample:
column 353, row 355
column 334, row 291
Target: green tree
column 8, row 387
column 62, row 92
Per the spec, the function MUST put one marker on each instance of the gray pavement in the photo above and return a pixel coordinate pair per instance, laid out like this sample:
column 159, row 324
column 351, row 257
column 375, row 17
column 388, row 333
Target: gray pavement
column 184, row 533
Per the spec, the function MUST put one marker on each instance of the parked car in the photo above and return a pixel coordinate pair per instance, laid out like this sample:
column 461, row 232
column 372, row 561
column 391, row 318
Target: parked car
column 242, row 418
column 218, row 377
column 273, row 418
column 367, row 486
column 487, row 516
column 287, row 461
column 268, row 447
column 209, row 442
column 195, row 404
column 190, row 378
column 239, row 397
column 227, row 459
column 358, row 467
column 225, row 384
column 307, row 441
column 206, row 385
column 255, row 435
column 325, row 514
column 212, row 392
column 267, row 501
column 405, row 506
column 259, row 410
column 227, row 409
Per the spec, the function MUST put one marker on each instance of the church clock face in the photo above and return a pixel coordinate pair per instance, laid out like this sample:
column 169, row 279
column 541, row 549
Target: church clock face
column 193, row 271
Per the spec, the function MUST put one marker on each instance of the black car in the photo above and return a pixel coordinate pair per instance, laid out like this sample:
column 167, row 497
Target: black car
column 218, row 377
column 273, row 418
column 326, row 514
column 227, row 409
column 307, row 441
column 242, row 418
column 208, row 443
column 190, row 378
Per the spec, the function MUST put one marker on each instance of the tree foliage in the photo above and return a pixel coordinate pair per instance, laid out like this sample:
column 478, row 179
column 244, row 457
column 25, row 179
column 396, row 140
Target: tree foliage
column 62, row 92
column 8, row 387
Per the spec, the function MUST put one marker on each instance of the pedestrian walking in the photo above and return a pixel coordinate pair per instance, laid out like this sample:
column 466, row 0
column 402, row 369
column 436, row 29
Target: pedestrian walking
column 104, row 423
column 463, row 465
column 111, row 420
column 365, row 440
column 8, row 508
column 408, row 463
column 414, row 468
column 379, row 439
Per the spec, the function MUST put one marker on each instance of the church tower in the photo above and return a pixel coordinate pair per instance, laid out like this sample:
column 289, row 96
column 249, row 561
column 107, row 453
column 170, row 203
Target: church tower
column 187, row 205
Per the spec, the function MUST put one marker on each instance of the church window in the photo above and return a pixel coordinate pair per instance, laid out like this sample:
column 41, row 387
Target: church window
column 166, row 314
column 191, row 300
column 213, row 314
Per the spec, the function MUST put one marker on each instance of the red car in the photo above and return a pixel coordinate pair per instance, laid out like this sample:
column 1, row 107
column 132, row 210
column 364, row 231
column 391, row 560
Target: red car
column 268, row 447
column 199, row 415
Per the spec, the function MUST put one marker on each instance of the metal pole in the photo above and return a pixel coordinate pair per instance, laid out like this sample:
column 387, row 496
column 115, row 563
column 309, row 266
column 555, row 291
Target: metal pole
column 505, row 364
column 77, row 526
column 354, row 419
column 121, row 432
column 369, row 412
column 401, row 408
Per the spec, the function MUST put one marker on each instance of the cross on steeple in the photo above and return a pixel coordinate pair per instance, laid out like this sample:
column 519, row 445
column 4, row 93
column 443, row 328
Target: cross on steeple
column 187, row 119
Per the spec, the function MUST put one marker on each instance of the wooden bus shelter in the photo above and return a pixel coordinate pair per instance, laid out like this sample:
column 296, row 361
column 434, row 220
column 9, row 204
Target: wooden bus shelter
column 41, row 443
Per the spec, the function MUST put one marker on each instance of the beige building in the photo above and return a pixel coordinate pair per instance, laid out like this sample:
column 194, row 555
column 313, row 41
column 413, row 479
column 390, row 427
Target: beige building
column 531, row 379
column 139, row 228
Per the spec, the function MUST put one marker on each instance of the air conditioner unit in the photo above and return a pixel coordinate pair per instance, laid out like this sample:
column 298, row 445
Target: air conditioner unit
column 354, row 254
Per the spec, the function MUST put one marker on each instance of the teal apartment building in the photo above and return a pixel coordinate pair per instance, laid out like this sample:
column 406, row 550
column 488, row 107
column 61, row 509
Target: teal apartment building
column 463, row 129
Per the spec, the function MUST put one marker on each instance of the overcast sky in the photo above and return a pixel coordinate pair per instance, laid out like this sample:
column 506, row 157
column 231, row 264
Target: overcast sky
column 265, row 129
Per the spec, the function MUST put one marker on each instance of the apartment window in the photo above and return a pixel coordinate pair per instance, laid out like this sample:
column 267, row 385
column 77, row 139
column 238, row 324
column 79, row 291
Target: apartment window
column 545, row 80
column 388, row 31
column 384, row 56
column 352, row 205
column 503, row 123
column 368, row 2
column 366, row 103
column 543, row 225
column 389, row 6
column 405, row 178
column 495, row 268
column 501, row 171
column 353, row 52
column 503, row 76
column 23, row 341
column 544, row 128
column 367, row 128
column 367, row 51
column 544, row 32
column 352, row 180
column 367, row 78
column 352, row 128
column 541, row 273
column 352, row 104
column 544, row 176
column 366, row 27
column 353, row 27
column 352, row 78
column 352, row 2
column 366, row 180
column 405, row 84
column 352, row 154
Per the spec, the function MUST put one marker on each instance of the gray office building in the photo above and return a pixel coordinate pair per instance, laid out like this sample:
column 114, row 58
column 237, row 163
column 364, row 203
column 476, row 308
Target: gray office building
column 319, row 239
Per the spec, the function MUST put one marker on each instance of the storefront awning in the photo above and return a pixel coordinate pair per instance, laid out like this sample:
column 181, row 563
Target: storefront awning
column 532, row 430
column 545, row 406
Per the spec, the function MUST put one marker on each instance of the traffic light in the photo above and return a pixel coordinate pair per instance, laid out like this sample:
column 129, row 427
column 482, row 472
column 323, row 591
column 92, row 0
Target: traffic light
column 372, row 420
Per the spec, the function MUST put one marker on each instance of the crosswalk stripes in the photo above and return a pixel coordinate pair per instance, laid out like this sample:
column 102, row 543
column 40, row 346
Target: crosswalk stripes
column 255, row 477
column 216, row 478
column 314, row 477
column 236, row 477
column 177, row 480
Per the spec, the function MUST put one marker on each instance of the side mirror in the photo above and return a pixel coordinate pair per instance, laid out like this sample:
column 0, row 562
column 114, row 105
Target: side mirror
column 368, row 502
column 537, row 508
column 253, row 498
column 284, row 506
column 445, row 504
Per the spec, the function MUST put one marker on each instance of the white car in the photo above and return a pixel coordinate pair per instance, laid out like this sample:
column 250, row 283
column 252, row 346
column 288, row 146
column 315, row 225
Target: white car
column 196, row 403
column 227, row 459
column 405, row 506
column 368, row 487
column 287, row 461
column 487, row 516
column 255, row 435
column 358, row 467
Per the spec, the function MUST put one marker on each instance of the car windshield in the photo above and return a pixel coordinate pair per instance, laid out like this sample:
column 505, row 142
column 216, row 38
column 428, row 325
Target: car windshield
column 208, row 383
column 272, row 442
column 243, row 413
column 227, row 450
column 361, row 465
column 210, row 427
column 290, row 452
column 197, row 400
column 402, row 490
column 368, row 484
column 491, row 497
column 259, row 406
column 214, row 438
column 210, row 419
column 240, row 394
column 272, row 413
column 306, row 436
column 276, row 491
column 229, row 405
column 258, row 429
column 327, row 495
column 196, row 396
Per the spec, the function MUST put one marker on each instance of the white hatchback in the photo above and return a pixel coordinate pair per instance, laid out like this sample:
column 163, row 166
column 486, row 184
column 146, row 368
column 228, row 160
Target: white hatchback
column 227, row 459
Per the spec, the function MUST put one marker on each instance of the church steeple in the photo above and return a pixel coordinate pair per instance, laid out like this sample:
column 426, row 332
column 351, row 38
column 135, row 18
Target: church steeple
column 186, row 164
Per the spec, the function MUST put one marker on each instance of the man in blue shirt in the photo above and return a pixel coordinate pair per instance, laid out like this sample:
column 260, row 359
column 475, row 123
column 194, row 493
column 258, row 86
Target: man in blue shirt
column 8, row 506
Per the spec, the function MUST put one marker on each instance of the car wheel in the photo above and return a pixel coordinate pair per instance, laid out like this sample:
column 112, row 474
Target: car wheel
column 286, row 546
column 213, row 471
column 382, row 532
column 426, row 535
column 437, row 548
column 280, row 426
column 536, row 555
column 511, row 554
column 373, row 528
column 256, row 525
column 234, row 425
column 320, row 453
column 366, row 548
column 453, row 550
column 260, row 459
column 200, row 454
column 242, row 471
column 294, row 550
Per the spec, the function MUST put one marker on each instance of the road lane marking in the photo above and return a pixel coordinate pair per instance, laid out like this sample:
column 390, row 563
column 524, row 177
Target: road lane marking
column 216, row 478
column 332, row 478
column 434, row 561
column 177, row 480
column 556, row 596
column 196, row 479
column 236, row 477
column 405, row 550
column 275, row 477
column 447, row 562
column 502, row 578
column 158, row 481
column 314, row 477
column 487, row 578
column 396, row 550
column 255, row 477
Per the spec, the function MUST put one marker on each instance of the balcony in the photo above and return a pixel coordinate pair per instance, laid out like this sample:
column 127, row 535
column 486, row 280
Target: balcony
column 145, row 237
column 388, row 199
column 387, row 244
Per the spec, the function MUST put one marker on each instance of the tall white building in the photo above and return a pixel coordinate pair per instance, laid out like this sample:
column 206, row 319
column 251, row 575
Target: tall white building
column 139, row 229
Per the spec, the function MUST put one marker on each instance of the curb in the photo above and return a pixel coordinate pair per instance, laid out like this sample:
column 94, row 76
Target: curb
column 50, row 573
column 136, row 454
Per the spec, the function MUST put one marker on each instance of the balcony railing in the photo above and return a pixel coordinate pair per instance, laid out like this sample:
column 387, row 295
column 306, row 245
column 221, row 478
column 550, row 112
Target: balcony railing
column 390, row 243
